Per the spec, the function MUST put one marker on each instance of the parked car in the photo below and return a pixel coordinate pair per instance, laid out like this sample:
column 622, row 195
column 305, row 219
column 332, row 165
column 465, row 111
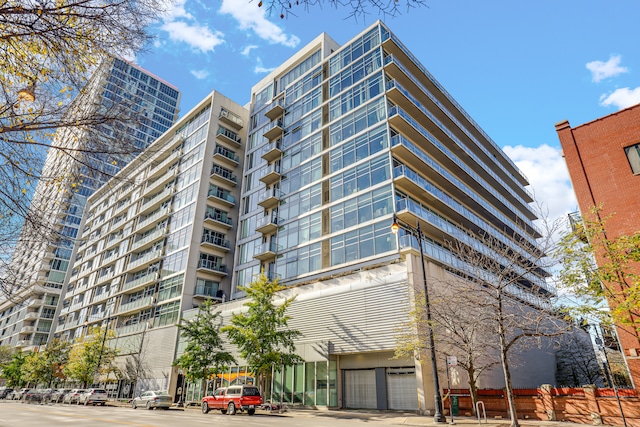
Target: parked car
column 229, row 400
column 152, row 399
column 5, row 392
column 72, row 396
column 17, row 394
column 58, row 395
column 93, row 396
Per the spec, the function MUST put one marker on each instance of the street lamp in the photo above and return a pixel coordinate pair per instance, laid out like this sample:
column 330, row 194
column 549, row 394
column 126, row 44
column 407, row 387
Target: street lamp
column 438, row 417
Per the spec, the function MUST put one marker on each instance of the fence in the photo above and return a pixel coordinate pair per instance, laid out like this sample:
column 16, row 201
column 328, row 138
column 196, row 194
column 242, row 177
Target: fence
column 584, row 405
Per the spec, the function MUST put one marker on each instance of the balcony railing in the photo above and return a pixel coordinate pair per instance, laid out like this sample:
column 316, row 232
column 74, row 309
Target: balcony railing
column 206, row 291
column 227, row 154
column 271, row 151
column 231, row 118
column 224, row 196
column 131, row 329
column 219, row 217
column 146, row 258
column 275, row 109
column 224, row 173
column 139, row 282
column 228, row 135
column 216, row 241
column 153, row 218
column 148, row 238
column 212, row 266
column 134, row 305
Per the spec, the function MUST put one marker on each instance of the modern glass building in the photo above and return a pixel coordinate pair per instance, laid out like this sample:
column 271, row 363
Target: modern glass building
column 39, row 264
column 341, row 139
column 158, row 240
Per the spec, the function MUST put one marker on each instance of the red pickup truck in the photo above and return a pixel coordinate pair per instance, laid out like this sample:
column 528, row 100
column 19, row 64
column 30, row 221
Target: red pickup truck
column 231, row 399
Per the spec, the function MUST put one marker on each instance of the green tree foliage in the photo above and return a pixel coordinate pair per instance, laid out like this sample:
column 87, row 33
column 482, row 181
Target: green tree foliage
column 12, row 370
column 602, row 268
column 89, row 357
column 45, row 367
column 261, row 332
column 203, row 355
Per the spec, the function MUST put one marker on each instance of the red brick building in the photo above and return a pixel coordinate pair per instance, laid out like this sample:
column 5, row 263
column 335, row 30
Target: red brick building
column 603, row 158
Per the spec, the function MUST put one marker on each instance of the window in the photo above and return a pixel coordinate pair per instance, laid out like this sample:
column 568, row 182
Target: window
column 633, row 154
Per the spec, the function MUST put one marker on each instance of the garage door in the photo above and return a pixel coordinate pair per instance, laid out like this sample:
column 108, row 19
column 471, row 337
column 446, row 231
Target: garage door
column 402, row 391
column 360, row 389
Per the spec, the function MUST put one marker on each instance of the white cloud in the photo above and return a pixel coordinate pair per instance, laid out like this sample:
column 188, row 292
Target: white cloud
column 259, row 69
column 176, row 10
column 602, row 70
column 197, row 36
column 621, row 98
column 549, row 178
column 200, row 74
column 252, row 17
column 248, row 49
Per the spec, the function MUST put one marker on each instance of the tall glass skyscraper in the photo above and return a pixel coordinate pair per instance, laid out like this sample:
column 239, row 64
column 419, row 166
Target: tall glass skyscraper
column 39, row 265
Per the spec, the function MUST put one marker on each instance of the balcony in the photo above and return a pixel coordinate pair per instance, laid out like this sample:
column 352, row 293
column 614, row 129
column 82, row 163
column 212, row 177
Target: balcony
column 27, row 329
column 101, row 297
column 231, row 119
column 210, row 292
column 267, row 224
column 151, row 221
column 227, row 156
column 32, row 315
column 155, row 201
column 105, row 278
column 148, row 240
column 140, row 282
column 274, row 130
column 216, row 242
column 136, row 305
column 271, row 151
column 229, row 136
column 220, row 218
column 270, row 174
column 147, row 258
column 224, row 175
column 24, row 343
column 212, row 267
column 162, row 167
column 36, row 302
column 220, row 195
column 158, row 183
column 266, row 251
column 275, row 110
column 270, row 198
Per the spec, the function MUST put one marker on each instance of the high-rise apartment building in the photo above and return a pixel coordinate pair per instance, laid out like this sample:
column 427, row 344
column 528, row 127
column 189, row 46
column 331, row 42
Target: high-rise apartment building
column 158, row 241
column 40, row 261
column 603, row 158
column 339, row 139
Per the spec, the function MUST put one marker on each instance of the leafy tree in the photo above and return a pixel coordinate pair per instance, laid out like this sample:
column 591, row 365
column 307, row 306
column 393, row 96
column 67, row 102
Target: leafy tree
column 45, row 367
column 6, row 354
column 13, row 372
column 261, row 332
column 602, row 268
column 203, row 355
column 90, row 356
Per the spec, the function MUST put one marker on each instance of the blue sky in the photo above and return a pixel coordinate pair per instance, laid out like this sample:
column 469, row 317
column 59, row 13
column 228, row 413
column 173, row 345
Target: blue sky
column 517, row 67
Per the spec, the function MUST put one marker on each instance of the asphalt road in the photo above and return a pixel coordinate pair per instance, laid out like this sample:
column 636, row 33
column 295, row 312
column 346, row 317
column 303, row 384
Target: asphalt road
column 16, row 414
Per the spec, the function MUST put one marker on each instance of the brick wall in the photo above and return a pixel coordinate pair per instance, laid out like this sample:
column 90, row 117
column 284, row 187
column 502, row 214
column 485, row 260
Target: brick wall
column 588, row 405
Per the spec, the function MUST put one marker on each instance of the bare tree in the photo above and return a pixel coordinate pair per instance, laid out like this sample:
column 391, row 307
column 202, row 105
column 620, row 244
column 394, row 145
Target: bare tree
column 358, row 9
column 506, row 280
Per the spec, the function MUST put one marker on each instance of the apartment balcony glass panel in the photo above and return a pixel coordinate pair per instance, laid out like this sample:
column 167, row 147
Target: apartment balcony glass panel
column 152, row 220
column 155, row 201
column 164, row 165
column 228, row 135
column 216, row 242
column 275, row 109
column 270, row 198
column 231, row 119
column 226, row 155
column 27, row 329
column 212, row 267
column 207, row 290
column 218, row 217
column 221, row 195
column 267, row 224
column 271, row 151
column 32, row 315
column 136, row 305
column 140, row 282
column 144, row 260
column 132, row 329
column 270, row 174
column 274, row 130
column 266, row 251
column 159, row 182
column 224, row 174
column 105, row 278
column 148, row 240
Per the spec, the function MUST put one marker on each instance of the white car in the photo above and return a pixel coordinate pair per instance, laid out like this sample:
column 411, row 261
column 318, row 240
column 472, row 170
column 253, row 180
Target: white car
column 152, row 399
column 72, row 396
column 93, row 396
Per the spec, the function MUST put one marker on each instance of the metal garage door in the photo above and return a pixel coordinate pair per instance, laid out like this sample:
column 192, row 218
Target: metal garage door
column 360, row 389
column 402, row 391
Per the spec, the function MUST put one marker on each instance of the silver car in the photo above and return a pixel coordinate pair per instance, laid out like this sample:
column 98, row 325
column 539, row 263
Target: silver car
column 72, row 396
column 152, row 399
column 93, row 396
